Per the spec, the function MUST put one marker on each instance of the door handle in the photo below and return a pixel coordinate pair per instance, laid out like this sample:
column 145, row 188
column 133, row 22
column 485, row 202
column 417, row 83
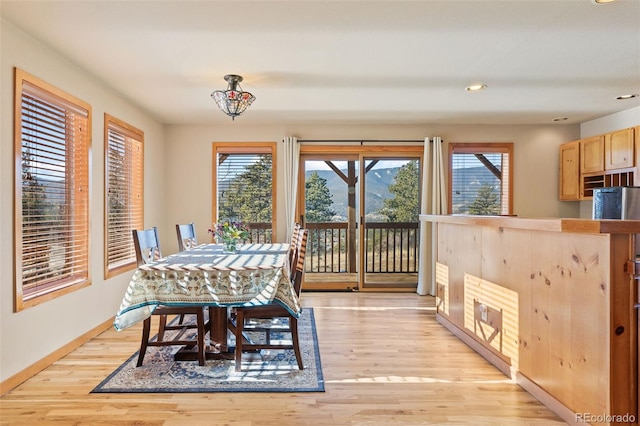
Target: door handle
column 632, row 267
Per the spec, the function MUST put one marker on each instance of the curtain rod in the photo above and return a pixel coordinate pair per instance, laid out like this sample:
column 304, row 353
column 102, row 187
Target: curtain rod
column 360, row 141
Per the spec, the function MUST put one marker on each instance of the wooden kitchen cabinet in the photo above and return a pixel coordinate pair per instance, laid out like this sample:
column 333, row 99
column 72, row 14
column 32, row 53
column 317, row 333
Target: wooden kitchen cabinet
column 592, row 159
column 600, row 161
column 570, row 171
column 618, row 149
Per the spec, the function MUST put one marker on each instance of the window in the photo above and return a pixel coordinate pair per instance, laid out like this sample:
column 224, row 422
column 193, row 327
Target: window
column 481, row 178
column 124, row 192
column 52, row 140
column 244, row 186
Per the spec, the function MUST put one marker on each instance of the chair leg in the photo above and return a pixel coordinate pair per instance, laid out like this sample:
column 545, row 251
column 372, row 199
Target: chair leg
column 201, row 348
column 293, row 324
column 239, row 329
column 163, row 324
column 146, row 327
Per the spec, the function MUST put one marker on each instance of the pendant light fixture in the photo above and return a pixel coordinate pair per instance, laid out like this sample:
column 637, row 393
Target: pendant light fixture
column 233, row 101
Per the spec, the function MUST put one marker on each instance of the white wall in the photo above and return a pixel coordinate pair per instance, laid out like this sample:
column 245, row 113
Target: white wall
column 30, row 335
column 535, row 162
column 611, row 123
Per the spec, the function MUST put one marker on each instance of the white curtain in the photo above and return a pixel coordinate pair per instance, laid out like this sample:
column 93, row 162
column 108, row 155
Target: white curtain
column 434, row 201
column 291, row 163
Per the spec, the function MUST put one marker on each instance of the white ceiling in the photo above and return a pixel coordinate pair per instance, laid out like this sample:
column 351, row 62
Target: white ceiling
column 360, row 62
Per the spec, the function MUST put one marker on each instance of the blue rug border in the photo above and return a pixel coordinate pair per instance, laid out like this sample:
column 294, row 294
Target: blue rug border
column 319, row 376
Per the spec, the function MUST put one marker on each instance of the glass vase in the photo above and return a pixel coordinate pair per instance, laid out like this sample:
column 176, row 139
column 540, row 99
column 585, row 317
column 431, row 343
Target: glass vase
column 230, row 246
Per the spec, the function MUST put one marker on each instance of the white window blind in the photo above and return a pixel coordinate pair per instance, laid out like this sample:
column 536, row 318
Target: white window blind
column 52, row 196
column 124, row 193
column 244, row 187
column 480, row 180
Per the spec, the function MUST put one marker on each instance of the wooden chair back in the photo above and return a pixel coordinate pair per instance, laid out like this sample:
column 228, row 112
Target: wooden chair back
column 293, row 247
column 147, row 245
column 299, row 260
column 186, row 236
column 272, row 310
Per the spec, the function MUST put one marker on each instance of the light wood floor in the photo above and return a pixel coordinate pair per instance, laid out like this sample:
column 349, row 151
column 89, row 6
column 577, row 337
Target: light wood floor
column 385, row 362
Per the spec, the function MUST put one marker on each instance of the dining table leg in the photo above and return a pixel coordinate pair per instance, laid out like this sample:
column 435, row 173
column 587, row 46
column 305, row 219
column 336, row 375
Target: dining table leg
column 219, row 319
column 218, row 326
column 218, row 347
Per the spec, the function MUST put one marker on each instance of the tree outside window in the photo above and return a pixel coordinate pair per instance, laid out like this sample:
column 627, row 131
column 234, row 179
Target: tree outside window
column 404, row 206
column 244, row 187
column 52, row 192
column 318, row 200
column 481, row 178
column 124, row 193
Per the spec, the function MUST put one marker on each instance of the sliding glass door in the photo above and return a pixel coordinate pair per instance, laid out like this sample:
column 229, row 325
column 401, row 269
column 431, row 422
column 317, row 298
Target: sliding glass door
column 391, row 200
column 330, row 210
column 361, row 207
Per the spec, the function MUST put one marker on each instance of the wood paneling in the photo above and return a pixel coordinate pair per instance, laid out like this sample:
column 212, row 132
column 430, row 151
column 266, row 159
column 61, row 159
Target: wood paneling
column 561, row 304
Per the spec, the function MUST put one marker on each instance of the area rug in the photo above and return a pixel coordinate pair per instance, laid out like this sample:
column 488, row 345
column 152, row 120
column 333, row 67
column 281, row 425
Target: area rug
column 267, row 371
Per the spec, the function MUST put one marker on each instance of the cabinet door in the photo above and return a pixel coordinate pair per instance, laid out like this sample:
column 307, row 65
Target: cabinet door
column 570, row 171
column 618, row 149
column 592, row 159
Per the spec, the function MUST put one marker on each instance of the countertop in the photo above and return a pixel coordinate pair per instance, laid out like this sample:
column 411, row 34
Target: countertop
column 582, row 226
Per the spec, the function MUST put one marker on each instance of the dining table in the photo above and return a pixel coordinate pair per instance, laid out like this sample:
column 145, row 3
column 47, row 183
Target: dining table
column 207, row 276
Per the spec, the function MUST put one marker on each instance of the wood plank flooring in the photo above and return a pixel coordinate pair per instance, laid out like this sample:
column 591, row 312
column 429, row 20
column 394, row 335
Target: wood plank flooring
column 385, row 359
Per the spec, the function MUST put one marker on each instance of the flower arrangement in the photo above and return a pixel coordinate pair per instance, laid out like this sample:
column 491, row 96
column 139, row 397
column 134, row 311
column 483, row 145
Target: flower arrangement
column 230, row 233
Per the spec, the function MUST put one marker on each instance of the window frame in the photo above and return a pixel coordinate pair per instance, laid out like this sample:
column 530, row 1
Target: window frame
column 245, row 148
column 134, row 192
column 482, row 148
column 76, row 186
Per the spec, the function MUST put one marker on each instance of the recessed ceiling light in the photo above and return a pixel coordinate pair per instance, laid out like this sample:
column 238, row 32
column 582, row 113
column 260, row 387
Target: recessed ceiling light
column 475, row 87
column 635, row 95
column 602, row 1
column 560, row 119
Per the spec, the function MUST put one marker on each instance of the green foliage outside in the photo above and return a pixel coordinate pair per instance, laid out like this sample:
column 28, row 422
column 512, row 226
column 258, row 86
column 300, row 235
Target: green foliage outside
column 248, row 197
column 35, row 206
column 38, row 213
column 318, row 200
column 116, row 197
column 487, row 201
column 405, row 204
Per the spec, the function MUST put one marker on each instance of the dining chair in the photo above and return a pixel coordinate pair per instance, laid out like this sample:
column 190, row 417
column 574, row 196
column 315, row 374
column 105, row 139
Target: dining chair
column 272, row 311
column 147, row 246
column 293, row 246
column 187, row 240
column 186, row 236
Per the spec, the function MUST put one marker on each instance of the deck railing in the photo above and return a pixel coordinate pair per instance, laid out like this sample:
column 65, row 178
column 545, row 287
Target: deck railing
column 389, row 247
column 260, row 233
column 327, row 247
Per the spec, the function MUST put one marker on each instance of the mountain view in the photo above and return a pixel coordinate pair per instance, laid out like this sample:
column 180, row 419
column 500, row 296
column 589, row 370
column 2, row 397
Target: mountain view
column 377, row 183
column 466, row 183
